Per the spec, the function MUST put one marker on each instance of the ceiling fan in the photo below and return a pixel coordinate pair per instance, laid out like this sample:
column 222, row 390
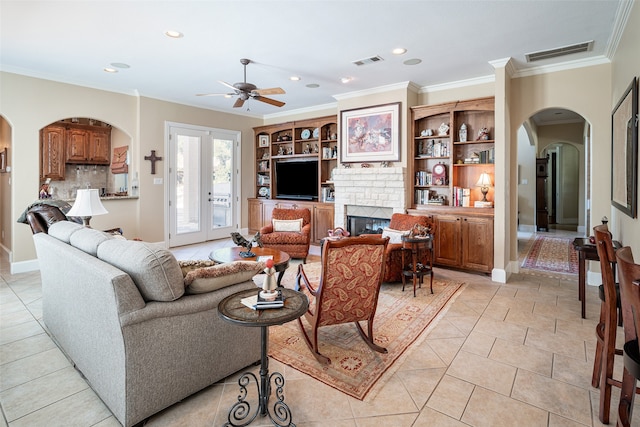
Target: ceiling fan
column 246, row 91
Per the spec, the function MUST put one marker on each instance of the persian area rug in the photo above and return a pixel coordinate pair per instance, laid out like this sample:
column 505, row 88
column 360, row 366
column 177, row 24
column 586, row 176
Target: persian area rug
column 400, row 320
column 554, row 254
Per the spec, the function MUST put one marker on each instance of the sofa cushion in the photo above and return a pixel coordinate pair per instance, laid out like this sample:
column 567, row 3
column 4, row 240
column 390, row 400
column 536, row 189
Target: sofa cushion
column 209, row 279
column 62, row 230
column 88, row 240
column 153, row 269
column 395, row 236
column 294, row 225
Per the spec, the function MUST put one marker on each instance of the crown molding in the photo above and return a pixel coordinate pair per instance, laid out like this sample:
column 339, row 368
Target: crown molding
column 569, row 65
column 622, row 16
column 375, row 90
column 458, row 84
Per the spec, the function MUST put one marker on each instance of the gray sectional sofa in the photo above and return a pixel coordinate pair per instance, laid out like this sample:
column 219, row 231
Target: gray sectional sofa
column 118, row 310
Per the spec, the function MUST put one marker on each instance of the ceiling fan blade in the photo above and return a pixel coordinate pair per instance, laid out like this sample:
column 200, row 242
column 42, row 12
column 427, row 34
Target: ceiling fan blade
column 239, row 103
column 269, row 101
column 215, row 94
column 270, row 91
column 227, row 85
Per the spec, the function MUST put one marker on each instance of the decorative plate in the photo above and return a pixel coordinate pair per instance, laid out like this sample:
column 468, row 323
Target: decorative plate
column 316, row 132
column 263, row 192
column 305, row 134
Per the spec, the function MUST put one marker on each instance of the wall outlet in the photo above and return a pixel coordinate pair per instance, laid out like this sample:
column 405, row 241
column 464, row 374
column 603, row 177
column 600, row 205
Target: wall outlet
column 157, row 181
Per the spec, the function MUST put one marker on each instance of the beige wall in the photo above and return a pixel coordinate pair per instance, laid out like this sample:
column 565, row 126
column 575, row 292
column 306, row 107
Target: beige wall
column 526, row 181
column 626, row 65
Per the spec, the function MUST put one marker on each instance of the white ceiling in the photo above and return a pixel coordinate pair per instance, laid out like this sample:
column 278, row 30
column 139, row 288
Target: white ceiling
column 73, row 41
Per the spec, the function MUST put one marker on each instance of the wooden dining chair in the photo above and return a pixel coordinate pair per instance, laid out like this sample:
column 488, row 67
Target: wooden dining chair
column 348, row 288
column 606, row 328
column 630, row 297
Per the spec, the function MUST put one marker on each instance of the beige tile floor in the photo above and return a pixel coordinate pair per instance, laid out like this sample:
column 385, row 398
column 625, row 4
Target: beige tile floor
column 515, row 354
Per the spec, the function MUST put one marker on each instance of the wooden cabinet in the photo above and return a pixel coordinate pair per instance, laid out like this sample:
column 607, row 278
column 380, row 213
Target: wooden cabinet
column 52, row 153
column 321, row 215
column 313, row 139
column 88, row 145
column 448, row 157
column 463, row 237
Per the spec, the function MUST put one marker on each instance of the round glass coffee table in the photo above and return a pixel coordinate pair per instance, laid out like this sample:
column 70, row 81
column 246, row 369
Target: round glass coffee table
column 232, row 310
column 280, row 259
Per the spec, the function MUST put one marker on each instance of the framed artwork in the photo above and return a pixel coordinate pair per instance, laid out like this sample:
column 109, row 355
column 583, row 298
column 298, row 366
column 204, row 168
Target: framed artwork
column 263, row 141
column 624, row 152
column 370, row 134
column 3, row 160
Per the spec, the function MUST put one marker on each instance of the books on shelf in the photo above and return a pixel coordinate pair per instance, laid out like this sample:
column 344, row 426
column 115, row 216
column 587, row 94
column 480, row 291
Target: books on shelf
column 256, row 302
column 461, row 197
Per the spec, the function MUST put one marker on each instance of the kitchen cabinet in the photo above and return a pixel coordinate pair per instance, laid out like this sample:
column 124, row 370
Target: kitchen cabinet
column 52, row 153
column 89, row 145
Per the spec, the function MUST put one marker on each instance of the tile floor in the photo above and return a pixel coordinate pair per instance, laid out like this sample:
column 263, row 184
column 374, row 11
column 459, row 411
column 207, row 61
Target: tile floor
column 515, row 354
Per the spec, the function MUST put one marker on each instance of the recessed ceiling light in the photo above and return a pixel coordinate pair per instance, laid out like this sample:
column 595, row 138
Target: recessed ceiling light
column 110, row 70
column 399, row 51
column 313, row 85
column 414, row 61
column 120, row 65
column 346, row 79
column 173, row 34
column 295, row 78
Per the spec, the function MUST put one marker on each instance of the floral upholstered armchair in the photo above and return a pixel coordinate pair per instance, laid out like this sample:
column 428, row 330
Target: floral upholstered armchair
column 400, row 224
column 289, row 231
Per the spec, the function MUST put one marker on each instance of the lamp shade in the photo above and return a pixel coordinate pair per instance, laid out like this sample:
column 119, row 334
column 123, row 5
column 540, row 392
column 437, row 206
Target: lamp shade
column 484, row 180
column 87, row 204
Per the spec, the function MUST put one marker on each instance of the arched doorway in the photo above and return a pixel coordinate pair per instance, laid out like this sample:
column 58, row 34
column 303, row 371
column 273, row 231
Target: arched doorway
column 563, row 135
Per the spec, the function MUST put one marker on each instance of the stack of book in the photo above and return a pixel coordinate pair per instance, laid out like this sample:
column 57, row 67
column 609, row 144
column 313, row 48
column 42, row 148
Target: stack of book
column 256, row 302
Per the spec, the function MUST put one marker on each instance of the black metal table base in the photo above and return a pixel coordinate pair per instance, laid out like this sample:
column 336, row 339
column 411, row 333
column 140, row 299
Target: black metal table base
column 241, row 415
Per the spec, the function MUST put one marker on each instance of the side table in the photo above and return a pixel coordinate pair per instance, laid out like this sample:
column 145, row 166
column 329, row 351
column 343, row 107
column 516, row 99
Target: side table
column 232, row 310
column 417, row 269
column 587, row 251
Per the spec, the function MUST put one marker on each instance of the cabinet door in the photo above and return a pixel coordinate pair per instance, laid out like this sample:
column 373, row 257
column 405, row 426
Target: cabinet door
column 99, row 147
column 255, row 215
column 77, row 145
column 477, row 244
column 52, row 154
column 322, row 221
column 447, row 240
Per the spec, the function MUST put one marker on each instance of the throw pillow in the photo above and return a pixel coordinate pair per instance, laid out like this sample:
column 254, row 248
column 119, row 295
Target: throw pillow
column 395, row 236
column 153, row 269
column 189, row 265
column 293, row 225
column 209, row 279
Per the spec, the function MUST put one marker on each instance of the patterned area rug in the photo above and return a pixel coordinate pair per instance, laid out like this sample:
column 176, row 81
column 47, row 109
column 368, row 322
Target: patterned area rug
column 400, row 320
column 554, row 254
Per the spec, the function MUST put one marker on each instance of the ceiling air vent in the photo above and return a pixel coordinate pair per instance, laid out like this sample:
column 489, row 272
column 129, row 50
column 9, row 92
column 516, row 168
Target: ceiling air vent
column 369, row 60
column 559, row 51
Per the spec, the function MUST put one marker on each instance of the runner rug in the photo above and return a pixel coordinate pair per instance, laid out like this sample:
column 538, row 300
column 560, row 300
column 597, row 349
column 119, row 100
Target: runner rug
column 555, row 254
column 400, row 320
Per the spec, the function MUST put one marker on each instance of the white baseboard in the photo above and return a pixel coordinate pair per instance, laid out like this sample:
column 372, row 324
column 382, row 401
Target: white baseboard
column 500, row 275
column 528, row 228
column 25, row 266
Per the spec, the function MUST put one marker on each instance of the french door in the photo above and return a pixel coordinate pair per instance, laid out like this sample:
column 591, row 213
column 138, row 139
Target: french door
column 203, row 178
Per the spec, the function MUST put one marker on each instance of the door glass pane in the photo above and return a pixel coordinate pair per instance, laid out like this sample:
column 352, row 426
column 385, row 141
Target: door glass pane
column 221, row 185
column 187, row 184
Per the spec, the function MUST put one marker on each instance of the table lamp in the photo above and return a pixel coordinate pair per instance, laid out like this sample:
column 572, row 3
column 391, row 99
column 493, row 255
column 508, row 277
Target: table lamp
column 87, row 204
column 484, row 182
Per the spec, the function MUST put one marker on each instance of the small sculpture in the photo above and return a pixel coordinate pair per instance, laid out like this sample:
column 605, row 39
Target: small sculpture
column 239, row 240
column 269, row 285
column 463, row 133
column 443, row 130
column 483, row 134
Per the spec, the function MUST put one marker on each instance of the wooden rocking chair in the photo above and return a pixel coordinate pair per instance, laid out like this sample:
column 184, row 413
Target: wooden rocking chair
column 352, row 272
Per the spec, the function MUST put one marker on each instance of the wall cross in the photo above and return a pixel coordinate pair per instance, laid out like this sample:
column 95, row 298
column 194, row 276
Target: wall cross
column 153, row 159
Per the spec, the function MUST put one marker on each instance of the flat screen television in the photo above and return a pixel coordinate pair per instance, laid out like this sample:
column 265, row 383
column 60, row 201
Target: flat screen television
column 297, row 179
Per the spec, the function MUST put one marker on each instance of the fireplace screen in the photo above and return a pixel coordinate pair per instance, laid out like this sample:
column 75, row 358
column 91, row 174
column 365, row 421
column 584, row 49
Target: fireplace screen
column 357, row 225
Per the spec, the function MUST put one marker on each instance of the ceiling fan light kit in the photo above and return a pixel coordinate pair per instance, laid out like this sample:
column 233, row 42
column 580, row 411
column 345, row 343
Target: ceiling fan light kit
column 246, row 91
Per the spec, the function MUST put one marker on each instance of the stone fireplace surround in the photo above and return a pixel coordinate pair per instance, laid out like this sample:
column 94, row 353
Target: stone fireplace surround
column 373, row 192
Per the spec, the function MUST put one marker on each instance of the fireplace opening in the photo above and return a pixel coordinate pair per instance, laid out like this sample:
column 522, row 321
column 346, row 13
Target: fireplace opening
column 357, row 225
